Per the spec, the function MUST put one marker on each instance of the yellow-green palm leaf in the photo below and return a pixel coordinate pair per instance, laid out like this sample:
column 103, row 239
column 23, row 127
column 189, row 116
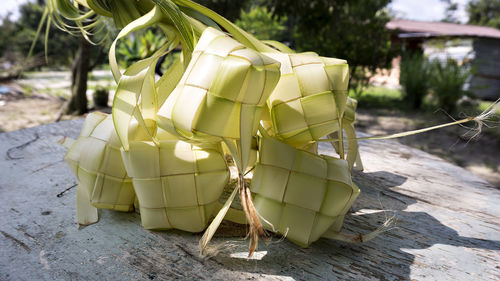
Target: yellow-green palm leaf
column 177, row 183
column 310, row 98
column 95, row 158
column 299, row 193
column 222, row 93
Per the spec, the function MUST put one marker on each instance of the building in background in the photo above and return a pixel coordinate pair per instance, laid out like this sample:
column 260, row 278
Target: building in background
column 478, row 45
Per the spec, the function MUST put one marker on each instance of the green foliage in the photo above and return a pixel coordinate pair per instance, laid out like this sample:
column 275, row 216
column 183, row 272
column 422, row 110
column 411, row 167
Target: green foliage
column 353, row 30
column 140, row 46
column 446, row 80
column 230, row 9
column 447, row 83
column 484, row 105
column 414, row 79
column 484, row 12
column 450, row 12
column 101, row 96
column 7, row 30
column 16, row 38
column 260, row 22
column 378, row 97
column 359, row 80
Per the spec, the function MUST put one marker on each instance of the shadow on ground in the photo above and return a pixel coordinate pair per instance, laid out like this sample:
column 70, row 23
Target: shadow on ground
column 384, row 258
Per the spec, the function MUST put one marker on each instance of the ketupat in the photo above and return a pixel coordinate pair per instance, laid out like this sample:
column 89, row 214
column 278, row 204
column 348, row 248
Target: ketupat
column 319, row 83
column 177, row 183
column 302, row 111
column 300, row 194
column 136, row 96
column 95, row 159
column 222, row 93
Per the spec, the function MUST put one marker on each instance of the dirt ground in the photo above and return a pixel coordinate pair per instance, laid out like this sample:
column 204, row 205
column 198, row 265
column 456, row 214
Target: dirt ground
column 19, row 110
column 481, row 155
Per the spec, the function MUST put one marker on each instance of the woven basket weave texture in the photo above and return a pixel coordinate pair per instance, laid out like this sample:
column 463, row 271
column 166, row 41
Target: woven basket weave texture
column 222, row 92
column 95, row 158
column 309, row 98
column 180, row 184
column 299, row 193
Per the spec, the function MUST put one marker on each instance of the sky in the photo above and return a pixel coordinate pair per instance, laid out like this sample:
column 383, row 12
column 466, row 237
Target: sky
column 426, row 10
column 10, row 6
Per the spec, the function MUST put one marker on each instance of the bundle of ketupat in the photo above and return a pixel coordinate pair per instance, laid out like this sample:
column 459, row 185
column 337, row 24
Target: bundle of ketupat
column 221, row 98
column 226, row 92
column 221, row 95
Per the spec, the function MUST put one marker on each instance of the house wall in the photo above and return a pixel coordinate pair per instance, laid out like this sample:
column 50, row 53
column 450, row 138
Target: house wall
column 459, row 49
column 483, row 53
column 486, row 80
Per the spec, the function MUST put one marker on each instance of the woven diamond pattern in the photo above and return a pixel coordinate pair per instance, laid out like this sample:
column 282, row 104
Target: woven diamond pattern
column 95, row 158
column 180, row 185
column 299, row 193
column 309, row 98
column 222, row 92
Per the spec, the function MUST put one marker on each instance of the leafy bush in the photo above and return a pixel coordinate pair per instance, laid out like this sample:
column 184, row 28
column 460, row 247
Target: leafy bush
column 139, row 46
column 414, row 79
column 352, row 30
column 378, row 97
column 260, row 22
column 447, row 83
column 101, row 97
column 17, row 35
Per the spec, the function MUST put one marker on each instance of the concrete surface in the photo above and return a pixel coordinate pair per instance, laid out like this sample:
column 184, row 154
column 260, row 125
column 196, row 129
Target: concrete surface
column 448, row 226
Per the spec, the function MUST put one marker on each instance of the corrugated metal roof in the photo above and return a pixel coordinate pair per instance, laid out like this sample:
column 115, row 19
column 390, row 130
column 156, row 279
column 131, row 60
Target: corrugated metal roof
column 432, row 29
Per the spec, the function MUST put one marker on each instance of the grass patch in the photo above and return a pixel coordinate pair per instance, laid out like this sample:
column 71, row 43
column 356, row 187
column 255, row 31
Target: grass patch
column 494, row 123
column 483, row 105
column 57, row 92
column 28, row 91
column 385, row 98
column 379, row 97
column 92, row 85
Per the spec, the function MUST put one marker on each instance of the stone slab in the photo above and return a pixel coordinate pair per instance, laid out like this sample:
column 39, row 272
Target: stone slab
column 448, row 226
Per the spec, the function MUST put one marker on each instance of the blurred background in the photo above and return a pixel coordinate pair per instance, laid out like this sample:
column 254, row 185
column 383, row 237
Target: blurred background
column 413, row 64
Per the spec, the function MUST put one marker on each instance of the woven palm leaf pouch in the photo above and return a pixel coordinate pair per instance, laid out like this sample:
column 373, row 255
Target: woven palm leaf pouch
column 221, row 94
column 177, row 183
column 310, row 102
column 180, row 184
column 95, row 158
column 301, row 110
column 301, row 194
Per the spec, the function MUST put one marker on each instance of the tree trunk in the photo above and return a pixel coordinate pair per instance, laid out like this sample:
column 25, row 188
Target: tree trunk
column 79, row 74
